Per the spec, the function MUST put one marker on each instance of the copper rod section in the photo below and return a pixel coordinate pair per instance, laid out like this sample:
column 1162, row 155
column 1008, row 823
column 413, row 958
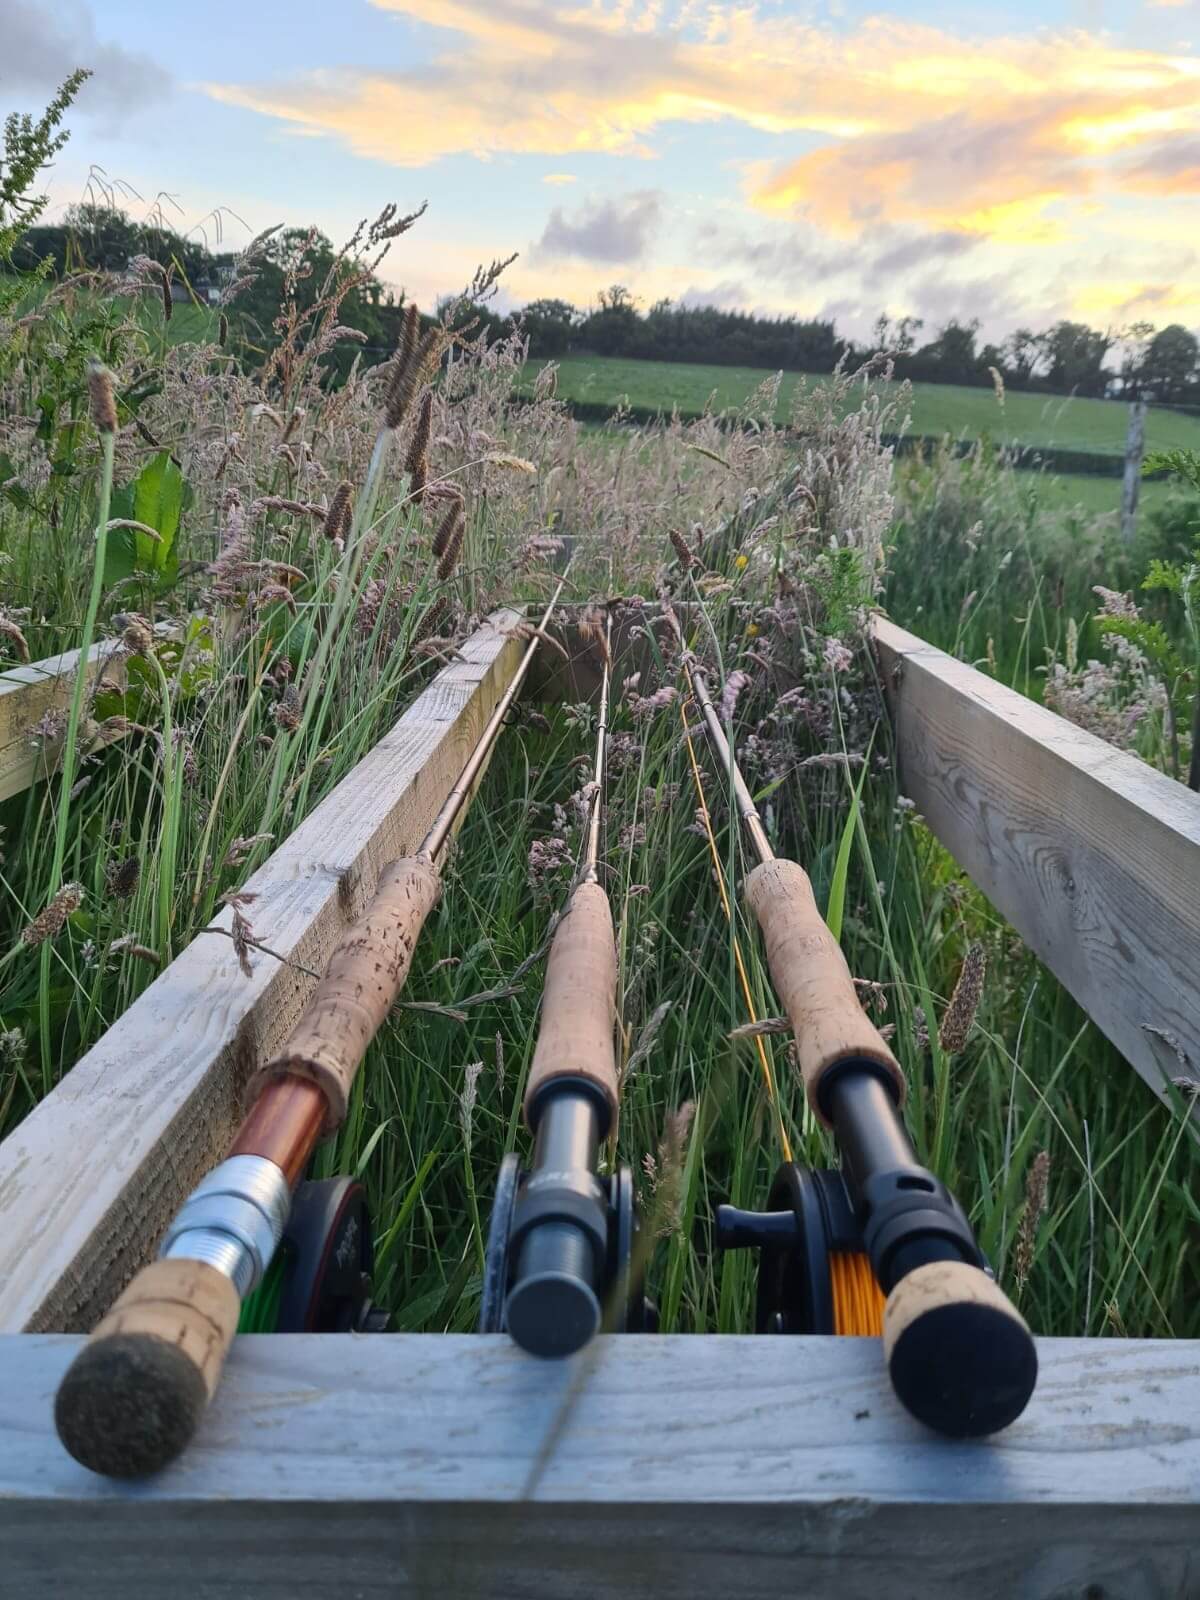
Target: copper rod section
column 591, row 863
column 283, row 1125
column 436, row 839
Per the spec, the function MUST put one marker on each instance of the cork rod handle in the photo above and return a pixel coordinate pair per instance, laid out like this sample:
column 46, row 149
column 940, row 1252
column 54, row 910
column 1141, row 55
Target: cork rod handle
column 364, row 975
column 134, row 1395
column 579, row 1001
column 813, row 981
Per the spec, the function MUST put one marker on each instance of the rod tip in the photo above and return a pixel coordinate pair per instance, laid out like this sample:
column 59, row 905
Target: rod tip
column 129, row 1404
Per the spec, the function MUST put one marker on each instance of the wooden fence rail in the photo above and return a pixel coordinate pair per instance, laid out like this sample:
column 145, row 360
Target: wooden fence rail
column 1093, row 856
column 27, row 693
column 684, row 1469
column 91, row 1177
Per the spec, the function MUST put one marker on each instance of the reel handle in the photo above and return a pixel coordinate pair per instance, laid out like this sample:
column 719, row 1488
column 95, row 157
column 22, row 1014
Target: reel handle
column 134, row 1395
column 812, row 979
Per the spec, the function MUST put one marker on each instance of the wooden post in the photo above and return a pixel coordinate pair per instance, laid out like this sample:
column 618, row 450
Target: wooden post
column 1135, row 446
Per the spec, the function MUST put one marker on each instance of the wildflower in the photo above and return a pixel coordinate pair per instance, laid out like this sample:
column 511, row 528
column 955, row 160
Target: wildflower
column 286, row 709
column 1036, row 1189
column 12, row 1047
column 964, row 1002
column 837, row 657
column 734, row 684
column 137, row 636
column 52, row 919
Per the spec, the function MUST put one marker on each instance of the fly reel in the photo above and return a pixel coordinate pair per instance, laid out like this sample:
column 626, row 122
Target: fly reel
column 518, row 1210
column 320, row 1279
column 816, row 1246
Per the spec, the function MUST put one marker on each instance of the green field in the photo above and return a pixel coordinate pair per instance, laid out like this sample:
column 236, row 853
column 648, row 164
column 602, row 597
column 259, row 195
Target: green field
column 1037, row 419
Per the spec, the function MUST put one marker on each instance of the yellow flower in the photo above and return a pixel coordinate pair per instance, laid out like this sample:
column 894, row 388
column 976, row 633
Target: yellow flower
column 752, row 631
column 741, row 562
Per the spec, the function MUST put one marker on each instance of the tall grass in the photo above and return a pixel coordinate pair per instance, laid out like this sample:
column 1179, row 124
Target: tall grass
column 294, row 651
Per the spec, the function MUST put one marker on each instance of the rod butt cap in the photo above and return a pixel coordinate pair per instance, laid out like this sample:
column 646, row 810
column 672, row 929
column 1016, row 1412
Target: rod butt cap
column 129, row 1404
column 960, row 1356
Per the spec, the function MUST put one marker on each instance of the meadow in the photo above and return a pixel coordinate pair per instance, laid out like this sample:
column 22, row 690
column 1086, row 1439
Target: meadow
column 936, row 409
column 307, row 626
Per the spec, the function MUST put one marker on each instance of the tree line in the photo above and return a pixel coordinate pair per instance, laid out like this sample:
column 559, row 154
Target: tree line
column 1163, row 364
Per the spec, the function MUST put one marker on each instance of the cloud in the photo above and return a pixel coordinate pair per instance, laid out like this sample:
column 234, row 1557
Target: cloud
column 46, row 40
column 612, row 231
column 998, row 136
column 559, row 178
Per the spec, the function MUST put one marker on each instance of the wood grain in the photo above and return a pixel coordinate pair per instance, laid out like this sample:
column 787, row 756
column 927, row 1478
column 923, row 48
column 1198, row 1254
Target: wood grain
column 27, row 693
column 688, row 1469
column 1093, row 856
column 92, row 1176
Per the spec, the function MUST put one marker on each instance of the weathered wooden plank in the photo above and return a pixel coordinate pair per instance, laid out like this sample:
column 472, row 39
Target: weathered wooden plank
column 92, row 1176
column 688, row 1467
column 27, row 693
column 1092, row 855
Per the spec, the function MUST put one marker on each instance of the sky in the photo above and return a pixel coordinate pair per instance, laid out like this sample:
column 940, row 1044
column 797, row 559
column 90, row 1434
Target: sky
column 832, row 159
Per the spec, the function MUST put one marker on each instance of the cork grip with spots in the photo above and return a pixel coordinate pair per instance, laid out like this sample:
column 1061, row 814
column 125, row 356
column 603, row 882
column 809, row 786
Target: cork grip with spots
column 959, row 1353
column 364, row 975
column 813, row 981
column 134, row 1395
column 575, row 1040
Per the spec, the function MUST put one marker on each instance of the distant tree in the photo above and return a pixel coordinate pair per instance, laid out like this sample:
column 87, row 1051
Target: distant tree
column 612, row 329
column 951, row 357
column 550, row 325
column 1023, row 352
column 1074, row 357
column 1168, row 368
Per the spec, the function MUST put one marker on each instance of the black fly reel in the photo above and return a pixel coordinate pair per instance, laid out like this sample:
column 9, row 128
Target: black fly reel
column 809, row 1217
column 328, row 1259
column 820, row 1252
column 634, row 1314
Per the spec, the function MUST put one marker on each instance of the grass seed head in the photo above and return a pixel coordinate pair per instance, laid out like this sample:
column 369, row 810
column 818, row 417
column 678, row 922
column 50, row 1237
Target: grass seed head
column 101, row 400
column 417, row 461
column 1037, row 1186
column 168, row 302
column 450, row 555
column 52, row 919
column 121, row 877
column 446, row 529
column 964, row 1002
column 222, row 330
column 337, row 518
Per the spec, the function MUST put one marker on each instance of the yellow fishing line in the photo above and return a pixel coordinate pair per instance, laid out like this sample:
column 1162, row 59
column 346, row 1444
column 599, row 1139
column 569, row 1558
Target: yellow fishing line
column 857, row 1297
column 768, row 1075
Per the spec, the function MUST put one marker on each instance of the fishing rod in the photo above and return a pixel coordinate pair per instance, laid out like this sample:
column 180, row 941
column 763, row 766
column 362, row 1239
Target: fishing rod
column 133, row 1397
column 960, row 1356
column 561, row 1239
